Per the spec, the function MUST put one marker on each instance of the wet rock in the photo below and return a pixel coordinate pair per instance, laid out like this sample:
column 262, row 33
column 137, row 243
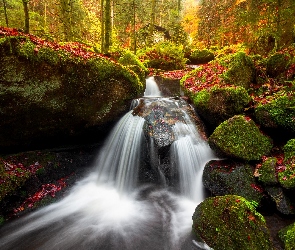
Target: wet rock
column 230, row 222
column 223, row 177
column 281, row 199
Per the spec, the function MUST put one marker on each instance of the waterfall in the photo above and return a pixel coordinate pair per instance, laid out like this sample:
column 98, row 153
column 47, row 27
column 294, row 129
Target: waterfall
column 110, row 208
column 152, row 89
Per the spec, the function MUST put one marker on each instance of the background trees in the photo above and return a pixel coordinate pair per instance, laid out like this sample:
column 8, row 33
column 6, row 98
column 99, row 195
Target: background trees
column 110, row 24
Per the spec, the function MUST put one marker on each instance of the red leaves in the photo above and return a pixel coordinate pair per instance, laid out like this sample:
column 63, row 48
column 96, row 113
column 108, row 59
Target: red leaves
column 176, row 74
column 74, row 48
column 205, row 77
column 256, row 188
column 46, row 189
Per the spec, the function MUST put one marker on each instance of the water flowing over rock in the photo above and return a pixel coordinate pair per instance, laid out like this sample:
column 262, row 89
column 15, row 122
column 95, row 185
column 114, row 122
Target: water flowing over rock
column 116, row 206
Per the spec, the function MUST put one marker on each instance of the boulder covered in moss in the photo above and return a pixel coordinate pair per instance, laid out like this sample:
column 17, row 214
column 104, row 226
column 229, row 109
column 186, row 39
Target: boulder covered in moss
column 287, row 236
column 287, row 176
column 241, row 71
column 230, row 222
column 278, row 114
column 223, row 177
column 240, row 138
column 221, row 103
column 201, row 56
column 267, row 172
column 277, row 64
column 131, row 61
column 50, row 95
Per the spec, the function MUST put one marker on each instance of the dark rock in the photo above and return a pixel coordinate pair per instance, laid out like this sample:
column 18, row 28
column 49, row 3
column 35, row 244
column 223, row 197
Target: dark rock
column 223, row 177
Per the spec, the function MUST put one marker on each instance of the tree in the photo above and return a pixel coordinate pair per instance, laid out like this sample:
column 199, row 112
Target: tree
column 27, row 16
column 5, row 12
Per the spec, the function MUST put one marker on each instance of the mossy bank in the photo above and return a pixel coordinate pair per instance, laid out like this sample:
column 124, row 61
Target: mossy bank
column 49, row 95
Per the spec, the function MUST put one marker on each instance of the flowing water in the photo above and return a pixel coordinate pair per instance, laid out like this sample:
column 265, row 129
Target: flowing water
column 116, row 207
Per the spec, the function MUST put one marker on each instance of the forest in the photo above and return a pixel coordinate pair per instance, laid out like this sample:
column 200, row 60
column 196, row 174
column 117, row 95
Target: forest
column 69, row 72
column 110, row 25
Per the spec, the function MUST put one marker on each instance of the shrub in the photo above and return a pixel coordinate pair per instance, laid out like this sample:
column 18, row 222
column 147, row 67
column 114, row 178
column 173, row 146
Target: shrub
column 165, row 56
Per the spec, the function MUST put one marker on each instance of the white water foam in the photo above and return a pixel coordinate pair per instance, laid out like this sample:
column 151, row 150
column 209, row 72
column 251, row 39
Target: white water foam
column 152, row 89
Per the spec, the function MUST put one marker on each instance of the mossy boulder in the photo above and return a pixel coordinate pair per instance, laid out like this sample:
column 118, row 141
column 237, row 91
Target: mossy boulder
column 131, row 61
column 230, row 222
column 267, row 172
column 287, row 236
column 221, row 103
column 241, row 71
column 287, row 177
column 223, row 177
column 278, row 114
column 50, row 95
column 277, row 64
column 240, row 138
column 200, row 56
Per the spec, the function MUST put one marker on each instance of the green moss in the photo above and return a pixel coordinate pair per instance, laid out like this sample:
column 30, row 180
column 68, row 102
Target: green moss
column 220, row 103
column 239, row 137
column 277, row 64
column 241, row 71
column 289, row 150
column 230, row 222
column 279, row 112
column 287, row 236
column 201, row 56
column 287, row 177
column 267, row 172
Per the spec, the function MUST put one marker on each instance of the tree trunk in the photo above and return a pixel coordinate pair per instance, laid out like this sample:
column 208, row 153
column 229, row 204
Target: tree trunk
column 102, row 19
column 134, row 27
column 152, row 23
column 5, row 12
column 108, row 26
column 27, row 17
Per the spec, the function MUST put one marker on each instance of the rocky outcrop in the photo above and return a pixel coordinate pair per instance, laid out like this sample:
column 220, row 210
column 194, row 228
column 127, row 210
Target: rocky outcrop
column 223, row 177
column 49, row 96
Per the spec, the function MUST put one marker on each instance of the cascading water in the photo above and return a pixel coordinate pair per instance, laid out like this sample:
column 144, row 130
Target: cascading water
column 152, row 89
column 140, row 195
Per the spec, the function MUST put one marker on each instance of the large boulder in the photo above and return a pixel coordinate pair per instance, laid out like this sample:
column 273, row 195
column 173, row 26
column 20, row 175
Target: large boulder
column 223, row 177
column 240, row 138
column 241, row 71
column 49, row 95
column 230, row 222
column 221, row 103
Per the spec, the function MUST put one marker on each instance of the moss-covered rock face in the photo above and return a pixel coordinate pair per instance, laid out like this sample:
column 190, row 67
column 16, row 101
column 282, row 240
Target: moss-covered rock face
column 239, row 137
column 48, row 93
column 132, row 62
column 230, row 222
column 225, row 177
column 241, row 71
column 201, row 56
column 287, row 177
column 267, row 172
column 278, row 113
column 287, row 236
column 277, row 64
column 220, row 103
